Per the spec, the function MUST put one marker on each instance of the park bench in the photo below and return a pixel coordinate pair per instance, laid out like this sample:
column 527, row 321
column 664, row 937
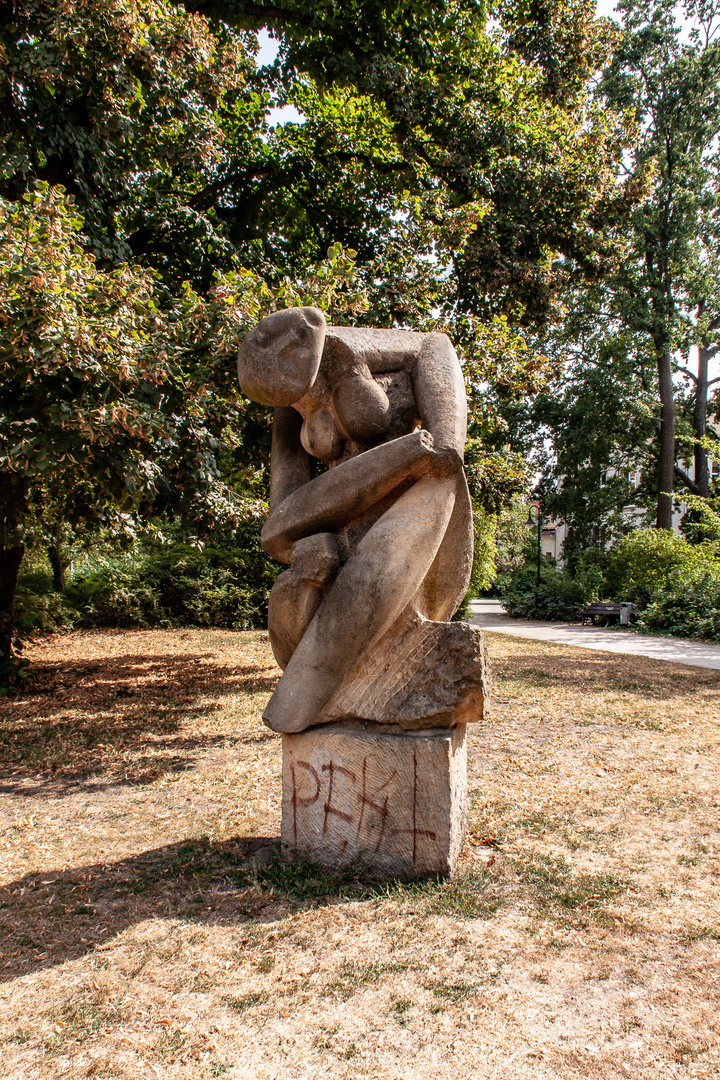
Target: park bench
column 608, row 612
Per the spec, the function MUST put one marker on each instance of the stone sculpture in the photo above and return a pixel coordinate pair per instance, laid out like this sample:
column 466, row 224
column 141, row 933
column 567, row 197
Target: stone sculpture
column 377, row 686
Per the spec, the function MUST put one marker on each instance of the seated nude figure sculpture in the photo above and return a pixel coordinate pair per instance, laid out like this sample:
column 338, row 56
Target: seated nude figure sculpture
column 379, row 545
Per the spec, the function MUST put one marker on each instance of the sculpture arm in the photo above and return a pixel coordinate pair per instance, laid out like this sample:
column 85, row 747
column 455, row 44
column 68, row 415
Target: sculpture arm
column 331, row 500
column 439, row 391
column 291, row 466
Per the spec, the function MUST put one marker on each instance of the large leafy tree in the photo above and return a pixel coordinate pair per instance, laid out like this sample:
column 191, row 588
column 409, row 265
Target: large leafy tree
column 597, row 419
column 630, row 407
column 80, row 377
column 121, row 104
column 111, row 404
column 155, row 118
column 433, row 102
column 666, row 292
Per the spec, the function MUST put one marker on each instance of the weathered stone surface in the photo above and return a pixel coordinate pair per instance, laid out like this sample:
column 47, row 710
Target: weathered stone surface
column 384, row 534
column 386, row 800
column 316, row 558
column 377, row 685
column 421, row 674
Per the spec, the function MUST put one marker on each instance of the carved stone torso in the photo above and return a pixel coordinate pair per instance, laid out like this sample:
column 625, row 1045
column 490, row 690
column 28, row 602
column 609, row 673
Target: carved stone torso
column 351, row 408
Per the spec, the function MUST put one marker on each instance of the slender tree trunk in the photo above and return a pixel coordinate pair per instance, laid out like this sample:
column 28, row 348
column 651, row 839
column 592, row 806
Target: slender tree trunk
column 666, row 457
column 702, row 472
column 58, row 559
column 13, row 505
column 10, row 559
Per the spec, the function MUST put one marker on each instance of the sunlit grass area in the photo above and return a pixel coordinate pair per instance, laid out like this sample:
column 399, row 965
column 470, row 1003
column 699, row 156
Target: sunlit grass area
column 150, row 928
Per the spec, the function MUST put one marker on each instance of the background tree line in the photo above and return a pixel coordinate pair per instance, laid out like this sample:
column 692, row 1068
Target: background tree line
column 629, row 415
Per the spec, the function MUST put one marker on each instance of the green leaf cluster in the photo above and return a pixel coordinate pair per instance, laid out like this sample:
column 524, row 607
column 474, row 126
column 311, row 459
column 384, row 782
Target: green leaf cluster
column 649, row 560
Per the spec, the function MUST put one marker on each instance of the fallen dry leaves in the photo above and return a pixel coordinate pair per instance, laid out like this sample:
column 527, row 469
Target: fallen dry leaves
column 148, row 930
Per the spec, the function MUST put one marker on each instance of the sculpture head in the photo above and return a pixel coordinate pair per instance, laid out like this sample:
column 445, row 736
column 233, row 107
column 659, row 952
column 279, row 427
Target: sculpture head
column 278, row 359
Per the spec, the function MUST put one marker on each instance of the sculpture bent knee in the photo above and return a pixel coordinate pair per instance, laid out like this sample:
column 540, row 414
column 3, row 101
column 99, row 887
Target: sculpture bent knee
column 379, row 545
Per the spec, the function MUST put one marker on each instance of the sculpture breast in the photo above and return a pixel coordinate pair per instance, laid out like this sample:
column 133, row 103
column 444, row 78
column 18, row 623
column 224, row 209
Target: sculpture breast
column 321, row 436
column 363, row 408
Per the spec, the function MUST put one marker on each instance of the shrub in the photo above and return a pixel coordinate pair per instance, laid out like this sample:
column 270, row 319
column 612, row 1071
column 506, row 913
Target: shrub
column 689, row 605
column 115, row 592
column 176, row 584
column 674, row 585
column 37, row 607
column 647, row 560
column 560, row 595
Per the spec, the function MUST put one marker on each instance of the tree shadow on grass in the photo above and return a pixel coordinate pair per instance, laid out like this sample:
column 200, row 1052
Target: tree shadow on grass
column 119, row 717
column 50, row 918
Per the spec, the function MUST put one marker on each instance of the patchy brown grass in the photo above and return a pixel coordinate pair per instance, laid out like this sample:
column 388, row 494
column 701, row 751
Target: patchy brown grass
column 149, row 931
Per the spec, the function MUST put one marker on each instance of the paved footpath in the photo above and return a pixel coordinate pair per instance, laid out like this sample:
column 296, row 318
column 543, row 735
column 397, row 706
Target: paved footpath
column 489, row 615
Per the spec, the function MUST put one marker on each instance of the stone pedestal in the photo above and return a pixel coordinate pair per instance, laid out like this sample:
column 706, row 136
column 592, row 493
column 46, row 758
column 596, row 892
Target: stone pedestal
column 389, row 801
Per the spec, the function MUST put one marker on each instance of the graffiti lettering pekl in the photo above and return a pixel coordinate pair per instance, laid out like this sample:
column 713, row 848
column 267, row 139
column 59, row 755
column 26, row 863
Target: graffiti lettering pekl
column 352, row 798
column 384, row 800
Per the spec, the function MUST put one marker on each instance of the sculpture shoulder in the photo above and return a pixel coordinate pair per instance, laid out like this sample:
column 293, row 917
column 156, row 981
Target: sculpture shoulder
column 380, row 350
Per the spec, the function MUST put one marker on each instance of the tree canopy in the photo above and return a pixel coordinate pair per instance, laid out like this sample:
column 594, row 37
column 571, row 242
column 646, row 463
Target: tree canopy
column 638, row 343
column 155, row 117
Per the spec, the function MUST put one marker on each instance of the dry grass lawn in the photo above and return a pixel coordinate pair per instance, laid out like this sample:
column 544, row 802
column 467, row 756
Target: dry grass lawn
column 147, row 929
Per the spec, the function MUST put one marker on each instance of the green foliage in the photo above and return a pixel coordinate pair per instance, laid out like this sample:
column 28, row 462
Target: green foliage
column 122, row 103
column 702, row 520
column 156, row 119
column 561, row 596
column 477, row 110
column 152, row 584
column 80, row 362
column 688, row 604
column 600, row 418
column 39, row 608
column 666, row 289
column 494, row 476
column 484, row 552
column 636, row 343
column 513, row 538
column 182, row 586
column 647, row 561
column 674, row 585
column 108, row 399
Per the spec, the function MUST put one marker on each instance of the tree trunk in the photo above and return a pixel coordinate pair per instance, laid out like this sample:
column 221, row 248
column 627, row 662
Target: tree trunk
column 58, row 568
column 58, row 559
column 10, row 559
column 666, row 457
column 702, row 472
column 13, row 506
